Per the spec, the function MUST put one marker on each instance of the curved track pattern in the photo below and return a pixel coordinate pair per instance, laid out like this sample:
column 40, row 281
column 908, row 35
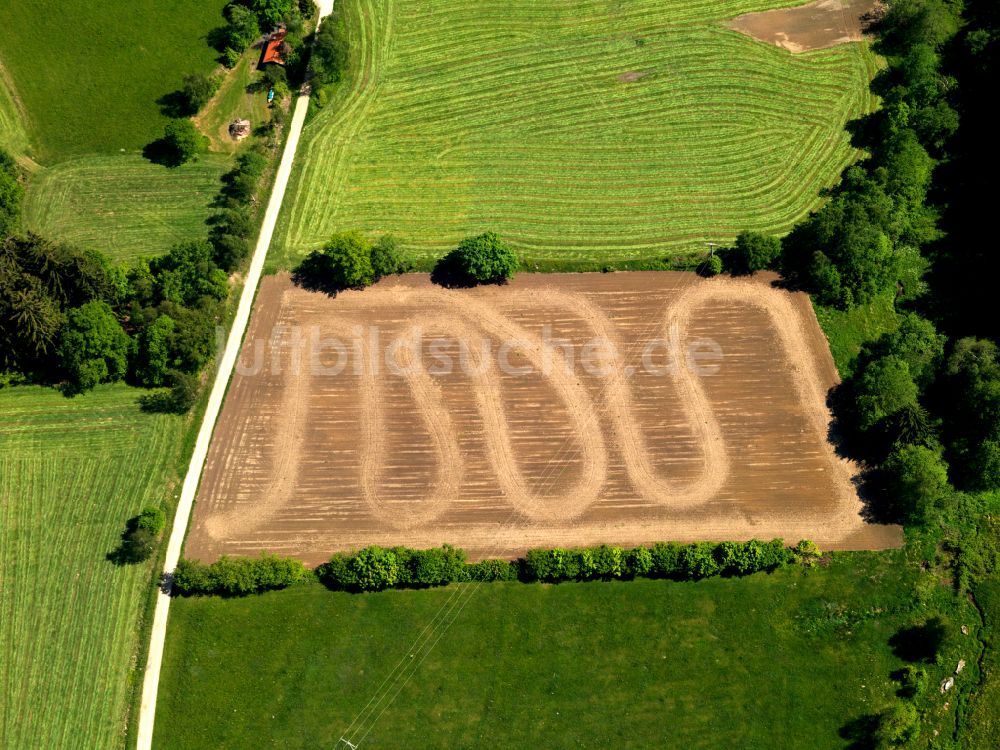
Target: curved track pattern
column 590, row 417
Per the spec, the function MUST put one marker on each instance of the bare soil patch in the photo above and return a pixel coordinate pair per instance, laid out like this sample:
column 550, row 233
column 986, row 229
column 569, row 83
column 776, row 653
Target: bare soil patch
column 819, row 24
column 633, row 75
column 513, row 449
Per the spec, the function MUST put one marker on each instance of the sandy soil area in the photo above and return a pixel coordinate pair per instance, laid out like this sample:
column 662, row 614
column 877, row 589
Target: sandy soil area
column 819, row 24
column 693, row 409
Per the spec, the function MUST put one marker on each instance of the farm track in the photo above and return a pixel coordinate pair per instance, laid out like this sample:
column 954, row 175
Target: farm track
column 225, row 366
column 520, row 121
column 497, row 460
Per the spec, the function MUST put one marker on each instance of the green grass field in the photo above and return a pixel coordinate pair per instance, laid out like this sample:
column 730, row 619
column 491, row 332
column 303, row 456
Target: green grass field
column 848, row 330
column 598, row 131
column 234, row 101
column 89, row 79
column 123, row 205
column 13, row 139
column 72, row 471
column 771, row 661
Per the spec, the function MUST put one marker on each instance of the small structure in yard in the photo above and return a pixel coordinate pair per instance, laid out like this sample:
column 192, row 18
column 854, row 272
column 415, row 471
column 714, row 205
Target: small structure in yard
column 239, row 129
column 275, row 49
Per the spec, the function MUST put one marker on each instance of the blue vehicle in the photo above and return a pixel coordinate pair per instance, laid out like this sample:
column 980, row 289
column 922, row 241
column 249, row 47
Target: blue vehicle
column 270, row 95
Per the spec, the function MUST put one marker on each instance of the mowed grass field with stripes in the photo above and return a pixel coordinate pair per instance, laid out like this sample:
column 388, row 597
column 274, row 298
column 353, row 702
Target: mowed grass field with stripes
column 79, row 91
column 580, row 132
column 72, row 471
column 124, row 205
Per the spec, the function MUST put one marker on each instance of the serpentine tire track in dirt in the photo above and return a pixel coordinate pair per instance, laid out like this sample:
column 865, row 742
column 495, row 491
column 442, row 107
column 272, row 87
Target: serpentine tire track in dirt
column 496, row 462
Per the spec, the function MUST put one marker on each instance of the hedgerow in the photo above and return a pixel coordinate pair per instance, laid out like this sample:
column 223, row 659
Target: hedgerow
column 238, row 576
column 376, row 568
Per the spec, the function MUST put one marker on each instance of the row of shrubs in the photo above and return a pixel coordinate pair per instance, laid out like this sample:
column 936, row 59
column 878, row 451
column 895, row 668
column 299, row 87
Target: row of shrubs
column 238, row 576
column 376, row 568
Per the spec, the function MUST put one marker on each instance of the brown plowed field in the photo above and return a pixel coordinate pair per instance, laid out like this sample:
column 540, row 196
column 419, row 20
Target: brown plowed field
column 694, row 409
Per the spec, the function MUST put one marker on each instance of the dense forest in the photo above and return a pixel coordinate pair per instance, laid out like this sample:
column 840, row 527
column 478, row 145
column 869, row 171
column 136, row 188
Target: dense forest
column 911, row 220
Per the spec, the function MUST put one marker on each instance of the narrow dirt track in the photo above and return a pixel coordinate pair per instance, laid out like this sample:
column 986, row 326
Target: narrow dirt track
column 497, row 462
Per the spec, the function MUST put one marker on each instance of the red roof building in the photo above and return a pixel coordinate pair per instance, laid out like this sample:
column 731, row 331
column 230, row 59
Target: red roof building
column 273, row 52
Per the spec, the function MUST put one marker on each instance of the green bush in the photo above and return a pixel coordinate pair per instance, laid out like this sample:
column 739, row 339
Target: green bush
column 237, row 576
column 666, row 559
column 897, row 726
column 431, row 567
column 141, row 535
column 486, row 259
column 754, row 252
column 712, row 266
column 374, row 568
column 640, row 561
column 230, row 57
column 151, row 520
column 198, row 89
column 93, row 348
column 137, row 546
column 386, row 259
column 493, row 570
column 183, row 141
column 914, row 680
column 806, row 552
column 698, row 561
column 348, row 258
column 916, row 480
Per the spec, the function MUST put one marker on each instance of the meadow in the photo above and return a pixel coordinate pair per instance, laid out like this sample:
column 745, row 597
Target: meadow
column 787, row 659
column 13, row 139
column 79, row 121
column 634, row 130
column 89, row 81
column 848, row 330
column 123, row 205
column 72, row 471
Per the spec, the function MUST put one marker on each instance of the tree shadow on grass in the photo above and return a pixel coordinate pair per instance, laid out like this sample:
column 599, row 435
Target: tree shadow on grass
column 162, row 153
column 860, row 732
column 920, row 643
column 176, row 105
column 313, row 275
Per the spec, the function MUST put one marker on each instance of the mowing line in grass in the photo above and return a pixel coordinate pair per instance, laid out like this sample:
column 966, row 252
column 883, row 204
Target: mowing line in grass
column 627, row 133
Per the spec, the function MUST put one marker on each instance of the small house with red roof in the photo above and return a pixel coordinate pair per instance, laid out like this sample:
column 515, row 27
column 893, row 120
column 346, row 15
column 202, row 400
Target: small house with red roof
column 274, row 50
